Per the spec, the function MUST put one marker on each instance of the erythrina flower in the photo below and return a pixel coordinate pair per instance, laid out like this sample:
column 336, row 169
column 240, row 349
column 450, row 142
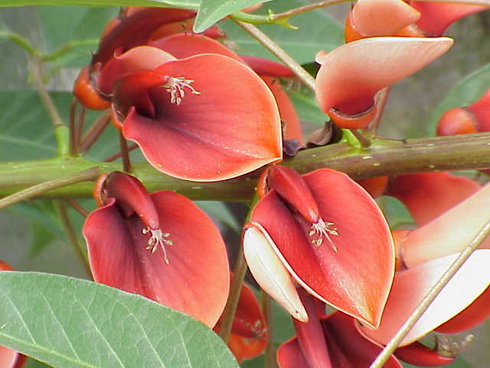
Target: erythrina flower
column 374, row 18
column 329, row 342
column 248, row 337
column 159, row 245
column 10, row 358
column 170, row 112
column 351, row 75
column 426, row 253
column 473, row 118
column 410, row 286
column 329, row 235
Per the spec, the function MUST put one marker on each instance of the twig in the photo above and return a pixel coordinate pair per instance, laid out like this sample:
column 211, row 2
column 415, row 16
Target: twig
column 235, row 289
column 126, row 161
column 72, row 237
column 77, row 207
column 277, row 51
column 116, row 155
column 431, row 295
column 38, row 82
column 94, row 131
column 85, row 175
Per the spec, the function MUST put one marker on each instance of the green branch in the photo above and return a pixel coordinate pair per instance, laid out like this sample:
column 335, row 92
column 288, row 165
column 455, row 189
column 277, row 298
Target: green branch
column 383, row 157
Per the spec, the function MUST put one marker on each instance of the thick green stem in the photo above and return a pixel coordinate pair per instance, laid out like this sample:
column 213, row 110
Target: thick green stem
column 431, row 295
column 383, row 157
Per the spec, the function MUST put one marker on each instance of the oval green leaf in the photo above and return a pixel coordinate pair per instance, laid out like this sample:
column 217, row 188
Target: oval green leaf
column 72, row 323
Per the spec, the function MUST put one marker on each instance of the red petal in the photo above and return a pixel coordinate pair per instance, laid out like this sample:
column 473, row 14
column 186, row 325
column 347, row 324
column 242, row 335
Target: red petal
column 185, row 45
column 348, row 349
column 289, row 116
column 289, row 355
column 136, row 29
column 130, row 195
column 136, row 59
column 429, row 195
column 382, row 17
column 11, row 359
column 412, row 285
column 193, row 140
column 436, row 18
column 355, row 279
column 266, row 67
column 196, row 280
column 457, row 121
column 310, row 335
column 293, row 189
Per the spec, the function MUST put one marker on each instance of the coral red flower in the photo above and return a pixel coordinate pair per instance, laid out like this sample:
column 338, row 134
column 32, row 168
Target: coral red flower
column 351, row 75
column 159, row 245
column 170, row 112
column 330, row 236
column 468, row 119
column 248, row 336
column 410, row 286
column 329, row 342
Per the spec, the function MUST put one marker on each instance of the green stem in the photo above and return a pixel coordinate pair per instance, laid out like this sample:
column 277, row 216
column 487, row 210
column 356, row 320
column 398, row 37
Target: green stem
column 37, row 80
column 235, row 289
column 20, row 41
column 282, row 18
column 41, row 188
column 431, row 295
column 270, row 351
column 282, row 55
column 383, row 157
column 72, row 236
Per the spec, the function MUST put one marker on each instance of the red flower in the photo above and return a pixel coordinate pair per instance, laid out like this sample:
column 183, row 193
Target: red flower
column 330, row 236
column 467, row 119
column 351, row 75
column 159, row 245
column 248, row 336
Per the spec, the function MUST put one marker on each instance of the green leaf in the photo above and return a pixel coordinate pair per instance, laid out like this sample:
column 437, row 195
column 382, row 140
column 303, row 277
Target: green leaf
column 188, row 4
column 26, row 133
column 222, row 213
column 211, row 11
column 464, row 93
column 74, row 30
column 71, row 323
column 317, row 31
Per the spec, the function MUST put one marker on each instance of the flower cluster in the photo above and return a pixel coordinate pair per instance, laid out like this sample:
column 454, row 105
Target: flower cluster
column 200, row 112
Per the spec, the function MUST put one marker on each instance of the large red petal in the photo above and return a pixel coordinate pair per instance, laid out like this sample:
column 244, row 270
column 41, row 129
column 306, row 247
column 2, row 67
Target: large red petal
column 195, row 281
column 355, row 279
column 289, row 355
column 196, row 140
column 410, row 287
